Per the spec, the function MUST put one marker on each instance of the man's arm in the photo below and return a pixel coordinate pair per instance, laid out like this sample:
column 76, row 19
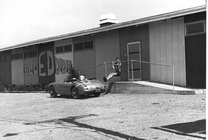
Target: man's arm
column 113, row 65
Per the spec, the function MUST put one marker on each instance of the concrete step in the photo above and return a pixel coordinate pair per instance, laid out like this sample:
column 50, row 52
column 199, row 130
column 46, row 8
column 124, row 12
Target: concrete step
column 144, row 87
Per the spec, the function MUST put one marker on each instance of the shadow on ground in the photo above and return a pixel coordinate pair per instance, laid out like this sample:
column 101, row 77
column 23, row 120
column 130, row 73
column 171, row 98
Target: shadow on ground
column 73, row 120
column 186, row 129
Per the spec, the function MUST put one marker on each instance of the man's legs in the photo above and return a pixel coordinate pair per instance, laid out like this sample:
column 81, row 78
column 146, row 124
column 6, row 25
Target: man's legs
column 109, row 76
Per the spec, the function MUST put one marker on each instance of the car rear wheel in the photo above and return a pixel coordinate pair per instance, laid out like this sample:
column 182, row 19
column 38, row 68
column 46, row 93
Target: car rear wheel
column 75, row 93
column 53, row 93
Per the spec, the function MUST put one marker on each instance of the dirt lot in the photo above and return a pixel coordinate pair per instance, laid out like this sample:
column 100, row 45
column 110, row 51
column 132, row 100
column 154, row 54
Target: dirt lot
column 36, row 116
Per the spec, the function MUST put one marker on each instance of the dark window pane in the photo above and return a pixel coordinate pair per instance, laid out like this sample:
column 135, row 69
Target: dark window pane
column 88, row 45
column 8, row 57
column 59, row 49
column 33, row 53
column 195, row 28
column 3, row 58
column 78, row 46
column 14, row 56
column 27, row 54
column 68, row 48
column 20, row 55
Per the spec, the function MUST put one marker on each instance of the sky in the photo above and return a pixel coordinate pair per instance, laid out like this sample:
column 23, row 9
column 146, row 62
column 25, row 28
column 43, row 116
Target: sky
column 27, row 20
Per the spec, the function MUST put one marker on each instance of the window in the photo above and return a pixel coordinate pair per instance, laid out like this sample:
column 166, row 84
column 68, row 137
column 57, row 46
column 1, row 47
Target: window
column 14, row 56
column 68, row 48
column 3, row 58
column 33, row 53
column 78, row 46
column 65, row 48
column 88, row 45
column 8, row 57
column 83, row 45
column 195, row 28
column 59, row 49
column 28, row 54
column 20, row 55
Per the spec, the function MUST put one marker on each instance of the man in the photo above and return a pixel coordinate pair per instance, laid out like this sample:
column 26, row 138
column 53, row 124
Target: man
column 117, row 67
column 71, row 74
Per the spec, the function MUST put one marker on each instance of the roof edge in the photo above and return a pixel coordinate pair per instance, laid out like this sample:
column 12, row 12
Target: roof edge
column 136, row 22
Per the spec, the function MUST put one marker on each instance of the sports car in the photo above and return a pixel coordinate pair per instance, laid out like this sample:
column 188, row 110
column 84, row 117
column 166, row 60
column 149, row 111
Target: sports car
column 77, row 87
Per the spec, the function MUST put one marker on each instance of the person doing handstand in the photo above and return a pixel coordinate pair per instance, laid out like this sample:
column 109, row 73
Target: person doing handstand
column 117, row 67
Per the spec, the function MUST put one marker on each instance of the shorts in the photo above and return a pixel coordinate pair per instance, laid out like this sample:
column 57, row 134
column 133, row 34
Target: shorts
column 118, row 73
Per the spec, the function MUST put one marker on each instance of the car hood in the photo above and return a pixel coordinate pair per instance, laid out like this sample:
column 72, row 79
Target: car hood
column 93, row 82
column 56, row 83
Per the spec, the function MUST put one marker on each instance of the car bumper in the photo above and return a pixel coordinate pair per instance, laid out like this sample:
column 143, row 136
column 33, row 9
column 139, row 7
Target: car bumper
column 95, row 91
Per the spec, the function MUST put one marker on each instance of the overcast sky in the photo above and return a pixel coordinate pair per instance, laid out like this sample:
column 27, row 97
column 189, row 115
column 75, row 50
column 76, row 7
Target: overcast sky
column 27, row 20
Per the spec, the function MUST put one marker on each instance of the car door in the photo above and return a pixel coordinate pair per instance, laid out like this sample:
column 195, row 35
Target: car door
column 66, row 88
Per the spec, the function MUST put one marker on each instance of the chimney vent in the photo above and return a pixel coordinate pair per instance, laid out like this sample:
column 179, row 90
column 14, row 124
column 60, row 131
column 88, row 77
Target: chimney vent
column 108, row 19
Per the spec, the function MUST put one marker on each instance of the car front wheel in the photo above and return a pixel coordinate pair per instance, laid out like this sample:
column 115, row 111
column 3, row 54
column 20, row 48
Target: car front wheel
column 75, row 93
column 52, row 92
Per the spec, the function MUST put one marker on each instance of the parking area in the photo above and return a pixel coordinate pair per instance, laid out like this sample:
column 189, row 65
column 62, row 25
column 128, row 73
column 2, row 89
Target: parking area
column 36, row 116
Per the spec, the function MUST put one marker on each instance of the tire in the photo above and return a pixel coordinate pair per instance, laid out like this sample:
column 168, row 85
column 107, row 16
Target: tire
column 75, row 93
column 53, row 93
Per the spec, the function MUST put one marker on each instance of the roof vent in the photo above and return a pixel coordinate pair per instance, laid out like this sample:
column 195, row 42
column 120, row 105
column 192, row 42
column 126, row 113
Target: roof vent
column 108, row 19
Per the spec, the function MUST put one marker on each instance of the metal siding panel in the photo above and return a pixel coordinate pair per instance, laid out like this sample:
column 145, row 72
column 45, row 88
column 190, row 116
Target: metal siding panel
column 169, row 50
column 63, row 42
column 182, row 52
column 175, row 50
column 157, row 52
column 85, row 59
column 46, row 63
column 65, row 56
column 152, row 51
column 1, row 73
column 17, row 72
column 30, row 76
column 107, row 44
column 163, row 52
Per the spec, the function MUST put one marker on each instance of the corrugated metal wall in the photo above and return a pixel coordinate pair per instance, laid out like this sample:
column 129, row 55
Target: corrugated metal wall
column 84, row 58
column 167, row 47
column 46, row 63
column 30, row 66
column 106, row 50
column 62, row 57
column 5, row 67
column 17, row 68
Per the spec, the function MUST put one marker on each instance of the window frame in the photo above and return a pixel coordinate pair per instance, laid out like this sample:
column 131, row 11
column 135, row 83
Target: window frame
column 69, row 45
column 75, row 50
column 59, row 47
column 196, row 22
column 30, row 54
column 84, row 46
column 64, row 48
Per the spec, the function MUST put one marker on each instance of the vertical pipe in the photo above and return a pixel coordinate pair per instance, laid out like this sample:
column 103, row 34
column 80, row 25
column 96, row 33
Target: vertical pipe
column 105, row 70
column 132, row 70
column 173, row 78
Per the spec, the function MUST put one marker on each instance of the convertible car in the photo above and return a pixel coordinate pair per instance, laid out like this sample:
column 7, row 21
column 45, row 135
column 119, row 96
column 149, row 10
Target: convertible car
column 77, row 87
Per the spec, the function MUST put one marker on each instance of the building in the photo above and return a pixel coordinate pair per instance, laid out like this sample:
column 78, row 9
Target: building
column 177, row 38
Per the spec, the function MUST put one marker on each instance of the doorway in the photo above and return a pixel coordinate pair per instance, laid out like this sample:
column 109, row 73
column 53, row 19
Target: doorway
column 134, row 53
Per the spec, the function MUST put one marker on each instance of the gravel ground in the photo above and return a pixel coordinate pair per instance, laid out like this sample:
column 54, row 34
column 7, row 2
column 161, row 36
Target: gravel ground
column 36, row 116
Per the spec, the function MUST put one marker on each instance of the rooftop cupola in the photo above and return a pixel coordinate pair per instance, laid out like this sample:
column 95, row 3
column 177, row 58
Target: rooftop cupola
column 108, row 19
